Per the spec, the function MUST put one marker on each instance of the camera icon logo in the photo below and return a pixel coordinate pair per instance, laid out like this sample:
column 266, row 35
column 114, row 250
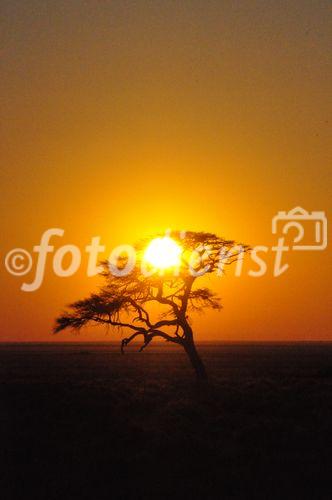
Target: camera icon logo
column 296, row 218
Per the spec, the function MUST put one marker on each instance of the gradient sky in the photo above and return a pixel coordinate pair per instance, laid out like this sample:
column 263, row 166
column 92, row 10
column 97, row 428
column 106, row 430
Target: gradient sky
column 124, row 118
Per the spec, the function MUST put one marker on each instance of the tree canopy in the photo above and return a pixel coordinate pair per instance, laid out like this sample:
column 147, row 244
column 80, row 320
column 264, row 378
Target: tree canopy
column 124, row 301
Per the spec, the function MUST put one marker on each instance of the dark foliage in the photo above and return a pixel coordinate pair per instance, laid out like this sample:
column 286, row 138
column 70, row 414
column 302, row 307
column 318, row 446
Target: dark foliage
column 124, row 301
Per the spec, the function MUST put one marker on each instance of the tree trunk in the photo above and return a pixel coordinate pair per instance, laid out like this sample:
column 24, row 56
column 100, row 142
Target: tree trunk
column 195, row 359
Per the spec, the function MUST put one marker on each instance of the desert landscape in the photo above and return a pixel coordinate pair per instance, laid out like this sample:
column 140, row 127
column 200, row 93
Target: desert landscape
column 80, row 420
column 165, row 326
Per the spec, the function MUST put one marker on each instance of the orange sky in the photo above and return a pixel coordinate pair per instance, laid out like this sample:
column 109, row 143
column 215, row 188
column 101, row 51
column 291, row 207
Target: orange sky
column 122, row 119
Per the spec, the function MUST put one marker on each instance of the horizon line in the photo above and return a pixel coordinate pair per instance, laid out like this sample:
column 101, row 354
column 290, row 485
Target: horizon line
column 249, row 341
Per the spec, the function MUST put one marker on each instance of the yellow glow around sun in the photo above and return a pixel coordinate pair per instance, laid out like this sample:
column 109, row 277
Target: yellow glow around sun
column 163, row 253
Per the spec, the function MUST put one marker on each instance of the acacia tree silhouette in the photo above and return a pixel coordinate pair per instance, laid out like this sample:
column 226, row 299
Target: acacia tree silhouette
column 124, row 301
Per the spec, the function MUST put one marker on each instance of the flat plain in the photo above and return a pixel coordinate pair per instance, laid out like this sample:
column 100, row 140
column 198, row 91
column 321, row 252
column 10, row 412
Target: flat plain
column 81, row 420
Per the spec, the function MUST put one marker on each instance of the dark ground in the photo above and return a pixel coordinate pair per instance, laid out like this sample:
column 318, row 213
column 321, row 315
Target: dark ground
column 82, row 421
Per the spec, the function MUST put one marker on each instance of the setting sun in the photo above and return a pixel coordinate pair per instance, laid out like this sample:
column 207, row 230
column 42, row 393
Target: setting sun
column 163, row 253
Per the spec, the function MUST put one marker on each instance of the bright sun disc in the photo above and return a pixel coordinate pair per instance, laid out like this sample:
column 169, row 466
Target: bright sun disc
column 162, row 253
